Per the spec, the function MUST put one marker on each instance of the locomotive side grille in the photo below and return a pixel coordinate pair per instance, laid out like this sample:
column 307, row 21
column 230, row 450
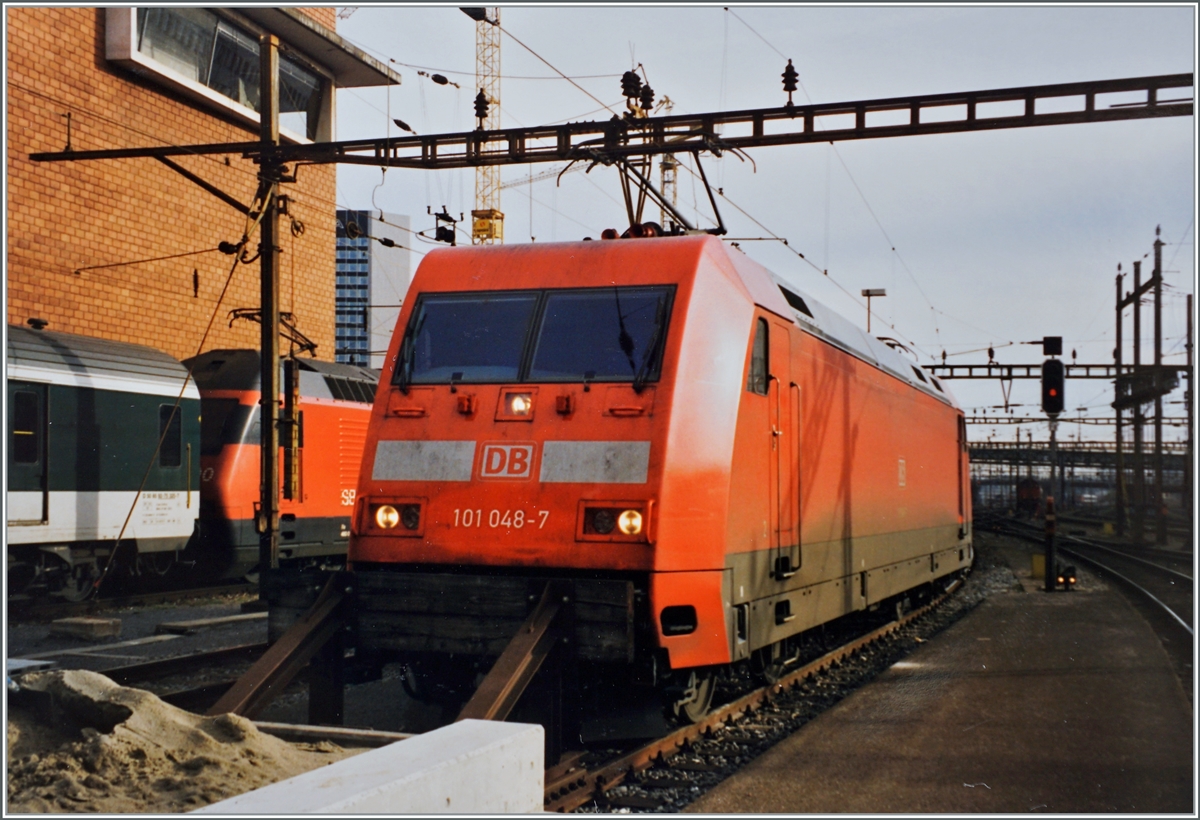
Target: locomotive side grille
column 350, row 389
column 352, row 438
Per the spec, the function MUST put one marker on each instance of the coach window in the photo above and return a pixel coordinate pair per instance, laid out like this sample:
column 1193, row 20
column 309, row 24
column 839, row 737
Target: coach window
column 170, row 451
column 756, row 381
column 26, row 438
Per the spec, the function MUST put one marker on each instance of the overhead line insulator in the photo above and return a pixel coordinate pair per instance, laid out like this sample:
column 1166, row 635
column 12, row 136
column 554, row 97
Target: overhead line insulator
column 646, row 98
column 789, row 80
column 631, row 84
column 481, row 107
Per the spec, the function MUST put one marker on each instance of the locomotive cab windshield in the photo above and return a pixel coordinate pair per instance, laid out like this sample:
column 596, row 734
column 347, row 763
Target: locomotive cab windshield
column 585, row 335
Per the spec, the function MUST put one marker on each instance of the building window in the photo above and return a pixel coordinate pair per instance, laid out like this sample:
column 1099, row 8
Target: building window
column 210, row 57
column 214, row 53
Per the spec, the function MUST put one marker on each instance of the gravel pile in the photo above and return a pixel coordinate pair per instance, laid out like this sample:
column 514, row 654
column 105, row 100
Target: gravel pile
column 77, row 742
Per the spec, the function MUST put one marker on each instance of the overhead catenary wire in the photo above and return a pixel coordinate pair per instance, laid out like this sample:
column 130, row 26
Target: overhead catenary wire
column 509, row 34
column 144, row 261
column 250, row 228
column 721, row 193
column 857, row 187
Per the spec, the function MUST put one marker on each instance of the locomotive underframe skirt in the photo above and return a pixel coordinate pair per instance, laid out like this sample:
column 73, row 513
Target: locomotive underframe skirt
column 299, row 538
column 397, row 612
column 834, row 579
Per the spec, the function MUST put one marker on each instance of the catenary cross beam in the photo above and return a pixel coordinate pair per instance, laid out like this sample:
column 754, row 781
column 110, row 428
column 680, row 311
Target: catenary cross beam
column 609, row 141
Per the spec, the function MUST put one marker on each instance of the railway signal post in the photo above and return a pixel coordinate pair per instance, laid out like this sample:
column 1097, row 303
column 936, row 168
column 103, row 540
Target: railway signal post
column 1051, row 558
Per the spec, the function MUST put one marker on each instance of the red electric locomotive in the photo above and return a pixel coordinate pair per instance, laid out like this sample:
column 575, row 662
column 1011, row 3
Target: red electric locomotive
column 335, row 404
column 711, row 461
column 1029, row 497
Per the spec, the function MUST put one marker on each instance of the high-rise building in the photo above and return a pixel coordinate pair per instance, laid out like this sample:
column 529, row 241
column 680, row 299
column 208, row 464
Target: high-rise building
column 372, row 279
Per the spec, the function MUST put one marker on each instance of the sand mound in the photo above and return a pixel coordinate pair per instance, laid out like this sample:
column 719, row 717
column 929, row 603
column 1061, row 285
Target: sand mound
column 79, row 742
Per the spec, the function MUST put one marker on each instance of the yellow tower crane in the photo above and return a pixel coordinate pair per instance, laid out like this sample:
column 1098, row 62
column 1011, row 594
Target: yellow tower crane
column 487, row 220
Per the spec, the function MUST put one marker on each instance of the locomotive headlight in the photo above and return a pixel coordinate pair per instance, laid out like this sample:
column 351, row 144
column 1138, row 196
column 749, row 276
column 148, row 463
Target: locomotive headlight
column 630, row 522
column 519, row 404
column 386, row 517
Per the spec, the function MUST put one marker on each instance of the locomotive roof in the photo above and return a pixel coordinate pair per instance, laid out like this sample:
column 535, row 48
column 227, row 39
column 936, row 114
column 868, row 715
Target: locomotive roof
column 764, row 288
column 239, row 369
column 824, row 323
column 832, row 327
column 86, row 361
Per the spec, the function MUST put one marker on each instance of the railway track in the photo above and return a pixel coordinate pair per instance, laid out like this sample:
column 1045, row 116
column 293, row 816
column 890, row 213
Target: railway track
column 1169, row 590
column 663, row 774
column 1174, row 525
column 193, row 681
column 39, row 610
column 1153, row 575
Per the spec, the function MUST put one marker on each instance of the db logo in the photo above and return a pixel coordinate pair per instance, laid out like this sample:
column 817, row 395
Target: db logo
column 506, row 461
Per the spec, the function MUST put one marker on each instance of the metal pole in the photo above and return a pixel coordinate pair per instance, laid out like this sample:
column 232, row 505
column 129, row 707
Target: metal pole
column 1188, row 399
column 1122, row 501
column 1054, row 470
column 1051, row 520
column 1160, row 495
column 1139, row 468
column 868, row 314
column 269, row 173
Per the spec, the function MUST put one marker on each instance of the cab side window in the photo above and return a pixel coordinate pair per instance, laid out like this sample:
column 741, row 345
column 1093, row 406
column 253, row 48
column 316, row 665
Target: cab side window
column 756, row 380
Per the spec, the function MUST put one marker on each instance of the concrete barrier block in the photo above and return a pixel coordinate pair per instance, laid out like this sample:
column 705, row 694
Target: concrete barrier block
column 91, row 629
column 469, row 767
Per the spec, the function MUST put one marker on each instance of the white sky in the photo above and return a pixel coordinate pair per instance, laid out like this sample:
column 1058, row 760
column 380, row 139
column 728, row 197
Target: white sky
column 999, row 237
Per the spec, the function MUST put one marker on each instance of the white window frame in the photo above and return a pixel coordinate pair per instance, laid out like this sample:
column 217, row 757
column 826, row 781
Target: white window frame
column 120, row 47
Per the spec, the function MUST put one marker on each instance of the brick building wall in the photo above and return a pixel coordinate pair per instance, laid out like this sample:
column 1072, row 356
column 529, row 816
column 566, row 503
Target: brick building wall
column 64, row 216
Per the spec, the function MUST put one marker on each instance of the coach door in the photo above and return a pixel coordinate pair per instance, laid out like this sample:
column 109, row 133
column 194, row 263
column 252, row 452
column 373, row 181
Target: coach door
column 785, row 407
column 28, row 499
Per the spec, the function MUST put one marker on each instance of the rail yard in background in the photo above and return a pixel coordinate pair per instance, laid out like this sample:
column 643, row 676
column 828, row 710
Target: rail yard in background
column 608, row 486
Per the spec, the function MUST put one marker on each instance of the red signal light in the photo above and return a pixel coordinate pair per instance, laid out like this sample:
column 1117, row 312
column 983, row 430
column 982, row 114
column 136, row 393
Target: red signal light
column 1052, row 386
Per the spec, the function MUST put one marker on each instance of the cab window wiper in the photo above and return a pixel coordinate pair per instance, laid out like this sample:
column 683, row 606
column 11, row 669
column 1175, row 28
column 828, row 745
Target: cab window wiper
column 651, row 352
column 405, row 365
column 623, row 338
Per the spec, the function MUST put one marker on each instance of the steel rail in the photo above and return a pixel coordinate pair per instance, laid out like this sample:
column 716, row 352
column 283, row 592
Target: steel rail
column 34, row 609
column 1150, row 596
column 572, row 789
column 1127, row 556
column 1086, row 542
column 138, row 672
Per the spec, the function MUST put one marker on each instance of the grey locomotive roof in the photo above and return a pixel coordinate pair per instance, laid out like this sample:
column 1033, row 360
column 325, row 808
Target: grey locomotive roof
column 239, row 370
column 83, row 357
column 844, row 334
